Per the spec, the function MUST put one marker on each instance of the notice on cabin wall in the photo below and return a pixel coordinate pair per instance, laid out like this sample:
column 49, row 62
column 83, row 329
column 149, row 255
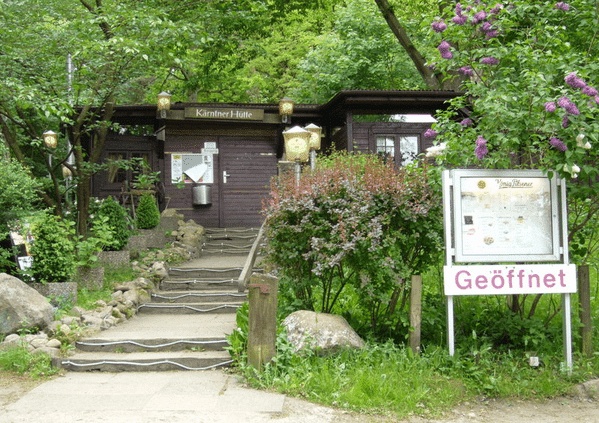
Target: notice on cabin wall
column 192, row 168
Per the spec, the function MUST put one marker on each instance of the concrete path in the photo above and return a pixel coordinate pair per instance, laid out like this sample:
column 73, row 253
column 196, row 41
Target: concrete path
column 208, row 396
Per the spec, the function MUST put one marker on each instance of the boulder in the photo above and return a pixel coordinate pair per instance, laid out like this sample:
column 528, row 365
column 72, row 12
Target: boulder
column 22, row 306
column 320, row 331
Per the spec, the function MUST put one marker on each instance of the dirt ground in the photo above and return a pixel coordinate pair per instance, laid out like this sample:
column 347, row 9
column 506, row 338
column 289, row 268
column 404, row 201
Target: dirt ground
column 582, row 407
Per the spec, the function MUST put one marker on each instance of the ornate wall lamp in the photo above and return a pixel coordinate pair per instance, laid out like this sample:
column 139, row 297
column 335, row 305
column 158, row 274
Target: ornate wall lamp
column 164, row 104
column 286, row 109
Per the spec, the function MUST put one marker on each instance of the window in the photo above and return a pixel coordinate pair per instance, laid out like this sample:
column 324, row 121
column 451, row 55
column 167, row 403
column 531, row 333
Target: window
column 117, row 174
column 408, row 148
column 385, row 146
column 389, row 145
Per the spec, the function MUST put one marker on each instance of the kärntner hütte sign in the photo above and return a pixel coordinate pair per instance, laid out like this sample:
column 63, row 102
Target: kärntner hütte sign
column 224, row 113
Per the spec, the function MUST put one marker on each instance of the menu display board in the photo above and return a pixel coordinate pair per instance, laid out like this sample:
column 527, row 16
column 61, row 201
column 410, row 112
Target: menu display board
column 505, row 216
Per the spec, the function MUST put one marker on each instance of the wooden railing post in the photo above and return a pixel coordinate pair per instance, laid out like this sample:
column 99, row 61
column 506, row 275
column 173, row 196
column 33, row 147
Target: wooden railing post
column 249, row 262
column 262, row 294
column 584, row 296
column 415, row 313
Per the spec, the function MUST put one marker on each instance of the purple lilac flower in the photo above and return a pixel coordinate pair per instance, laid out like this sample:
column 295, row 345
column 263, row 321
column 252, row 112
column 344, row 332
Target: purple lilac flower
column 550, row 107
column 563, row 102
column 460, row 19
column 491, row 34
column 439, row 26
column 444, row 49
column 557, row 143
column 597, row 99
column 590, row 91
column 496, row 9
column 563, row 6
column 565, row 121
column 458, row 9
column 466, row 71
column 489, row 61
column 574, row 81
column 487, row 26
column 479, row 17
column 466, row 122
column 430, row 133
column 572, row 109
column 481, row 149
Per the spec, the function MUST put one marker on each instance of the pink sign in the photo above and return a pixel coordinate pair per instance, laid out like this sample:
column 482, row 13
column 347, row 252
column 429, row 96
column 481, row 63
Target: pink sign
column 510, row 279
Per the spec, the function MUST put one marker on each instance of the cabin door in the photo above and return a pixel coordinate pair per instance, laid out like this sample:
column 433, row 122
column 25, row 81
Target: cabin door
column 246, row 166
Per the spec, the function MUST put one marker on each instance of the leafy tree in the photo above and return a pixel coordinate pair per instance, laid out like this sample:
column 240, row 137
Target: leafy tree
column 530, row 76
column 360, row 53
column 355, row 223
column 18, row 196
column 112, row 45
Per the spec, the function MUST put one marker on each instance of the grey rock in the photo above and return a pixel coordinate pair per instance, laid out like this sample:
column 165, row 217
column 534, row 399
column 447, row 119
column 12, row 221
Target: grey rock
column 21, row 306
column 320, row 331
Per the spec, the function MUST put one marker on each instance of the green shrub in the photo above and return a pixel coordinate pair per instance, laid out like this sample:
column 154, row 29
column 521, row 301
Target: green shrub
column 355, row 225
column 117, row 223
column 52, row 249
column 148, row 215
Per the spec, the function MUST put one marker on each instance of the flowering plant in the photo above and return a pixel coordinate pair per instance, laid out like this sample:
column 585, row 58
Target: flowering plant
column 530, row 80
column 354, row 224
column 531, row 98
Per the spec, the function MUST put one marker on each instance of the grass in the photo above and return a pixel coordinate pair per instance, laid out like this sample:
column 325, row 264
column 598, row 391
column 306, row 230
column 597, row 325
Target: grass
column 19, row 360
column 390, row 380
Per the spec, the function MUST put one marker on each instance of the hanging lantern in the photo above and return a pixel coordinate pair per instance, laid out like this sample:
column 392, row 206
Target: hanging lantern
column 297, row 144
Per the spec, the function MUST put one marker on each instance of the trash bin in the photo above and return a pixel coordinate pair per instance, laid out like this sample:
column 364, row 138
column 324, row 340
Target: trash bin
column 201, row 195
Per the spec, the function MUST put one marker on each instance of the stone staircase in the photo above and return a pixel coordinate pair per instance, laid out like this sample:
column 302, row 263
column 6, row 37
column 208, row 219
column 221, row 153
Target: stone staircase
column 185, row 324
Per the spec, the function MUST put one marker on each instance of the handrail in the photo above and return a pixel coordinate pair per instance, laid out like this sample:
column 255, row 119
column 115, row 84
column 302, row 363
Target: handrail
column 249, row 262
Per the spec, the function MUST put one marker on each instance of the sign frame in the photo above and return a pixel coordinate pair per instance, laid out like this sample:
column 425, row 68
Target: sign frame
column 453, row 219
column 493, row 208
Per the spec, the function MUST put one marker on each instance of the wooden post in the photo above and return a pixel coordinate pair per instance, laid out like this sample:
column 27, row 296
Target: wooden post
column 262, row 293
column 584, row 298
column 415, row 313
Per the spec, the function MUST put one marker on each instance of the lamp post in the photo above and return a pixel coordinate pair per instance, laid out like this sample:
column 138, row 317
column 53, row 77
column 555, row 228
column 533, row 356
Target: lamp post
column 164, row 104
column 286, row 109
column 297, row 147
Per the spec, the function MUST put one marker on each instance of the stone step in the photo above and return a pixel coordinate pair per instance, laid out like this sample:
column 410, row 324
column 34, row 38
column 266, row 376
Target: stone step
column 204, row 272
column 192, row 308
column 230, row 232
column 203, row 285
column 151, row 345
column 144, row 361
column 203, row 296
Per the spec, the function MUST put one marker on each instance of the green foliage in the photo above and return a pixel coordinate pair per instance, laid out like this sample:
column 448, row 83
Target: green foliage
column 529, row 73
column 18, row 359
column 52, row 249
column 118, row 223
column 354, row 224
column 148, row 215
column 360, row 53
column 238, row 339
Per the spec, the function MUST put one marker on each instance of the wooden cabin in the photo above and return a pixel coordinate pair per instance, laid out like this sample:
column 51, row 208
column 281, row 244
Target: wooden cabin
column 233, row 150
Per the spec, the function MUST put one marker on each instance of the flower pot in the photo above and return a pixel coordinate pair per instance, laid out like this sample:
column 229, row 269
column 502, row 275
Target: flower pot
column 58, row 292
column 89, row 277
